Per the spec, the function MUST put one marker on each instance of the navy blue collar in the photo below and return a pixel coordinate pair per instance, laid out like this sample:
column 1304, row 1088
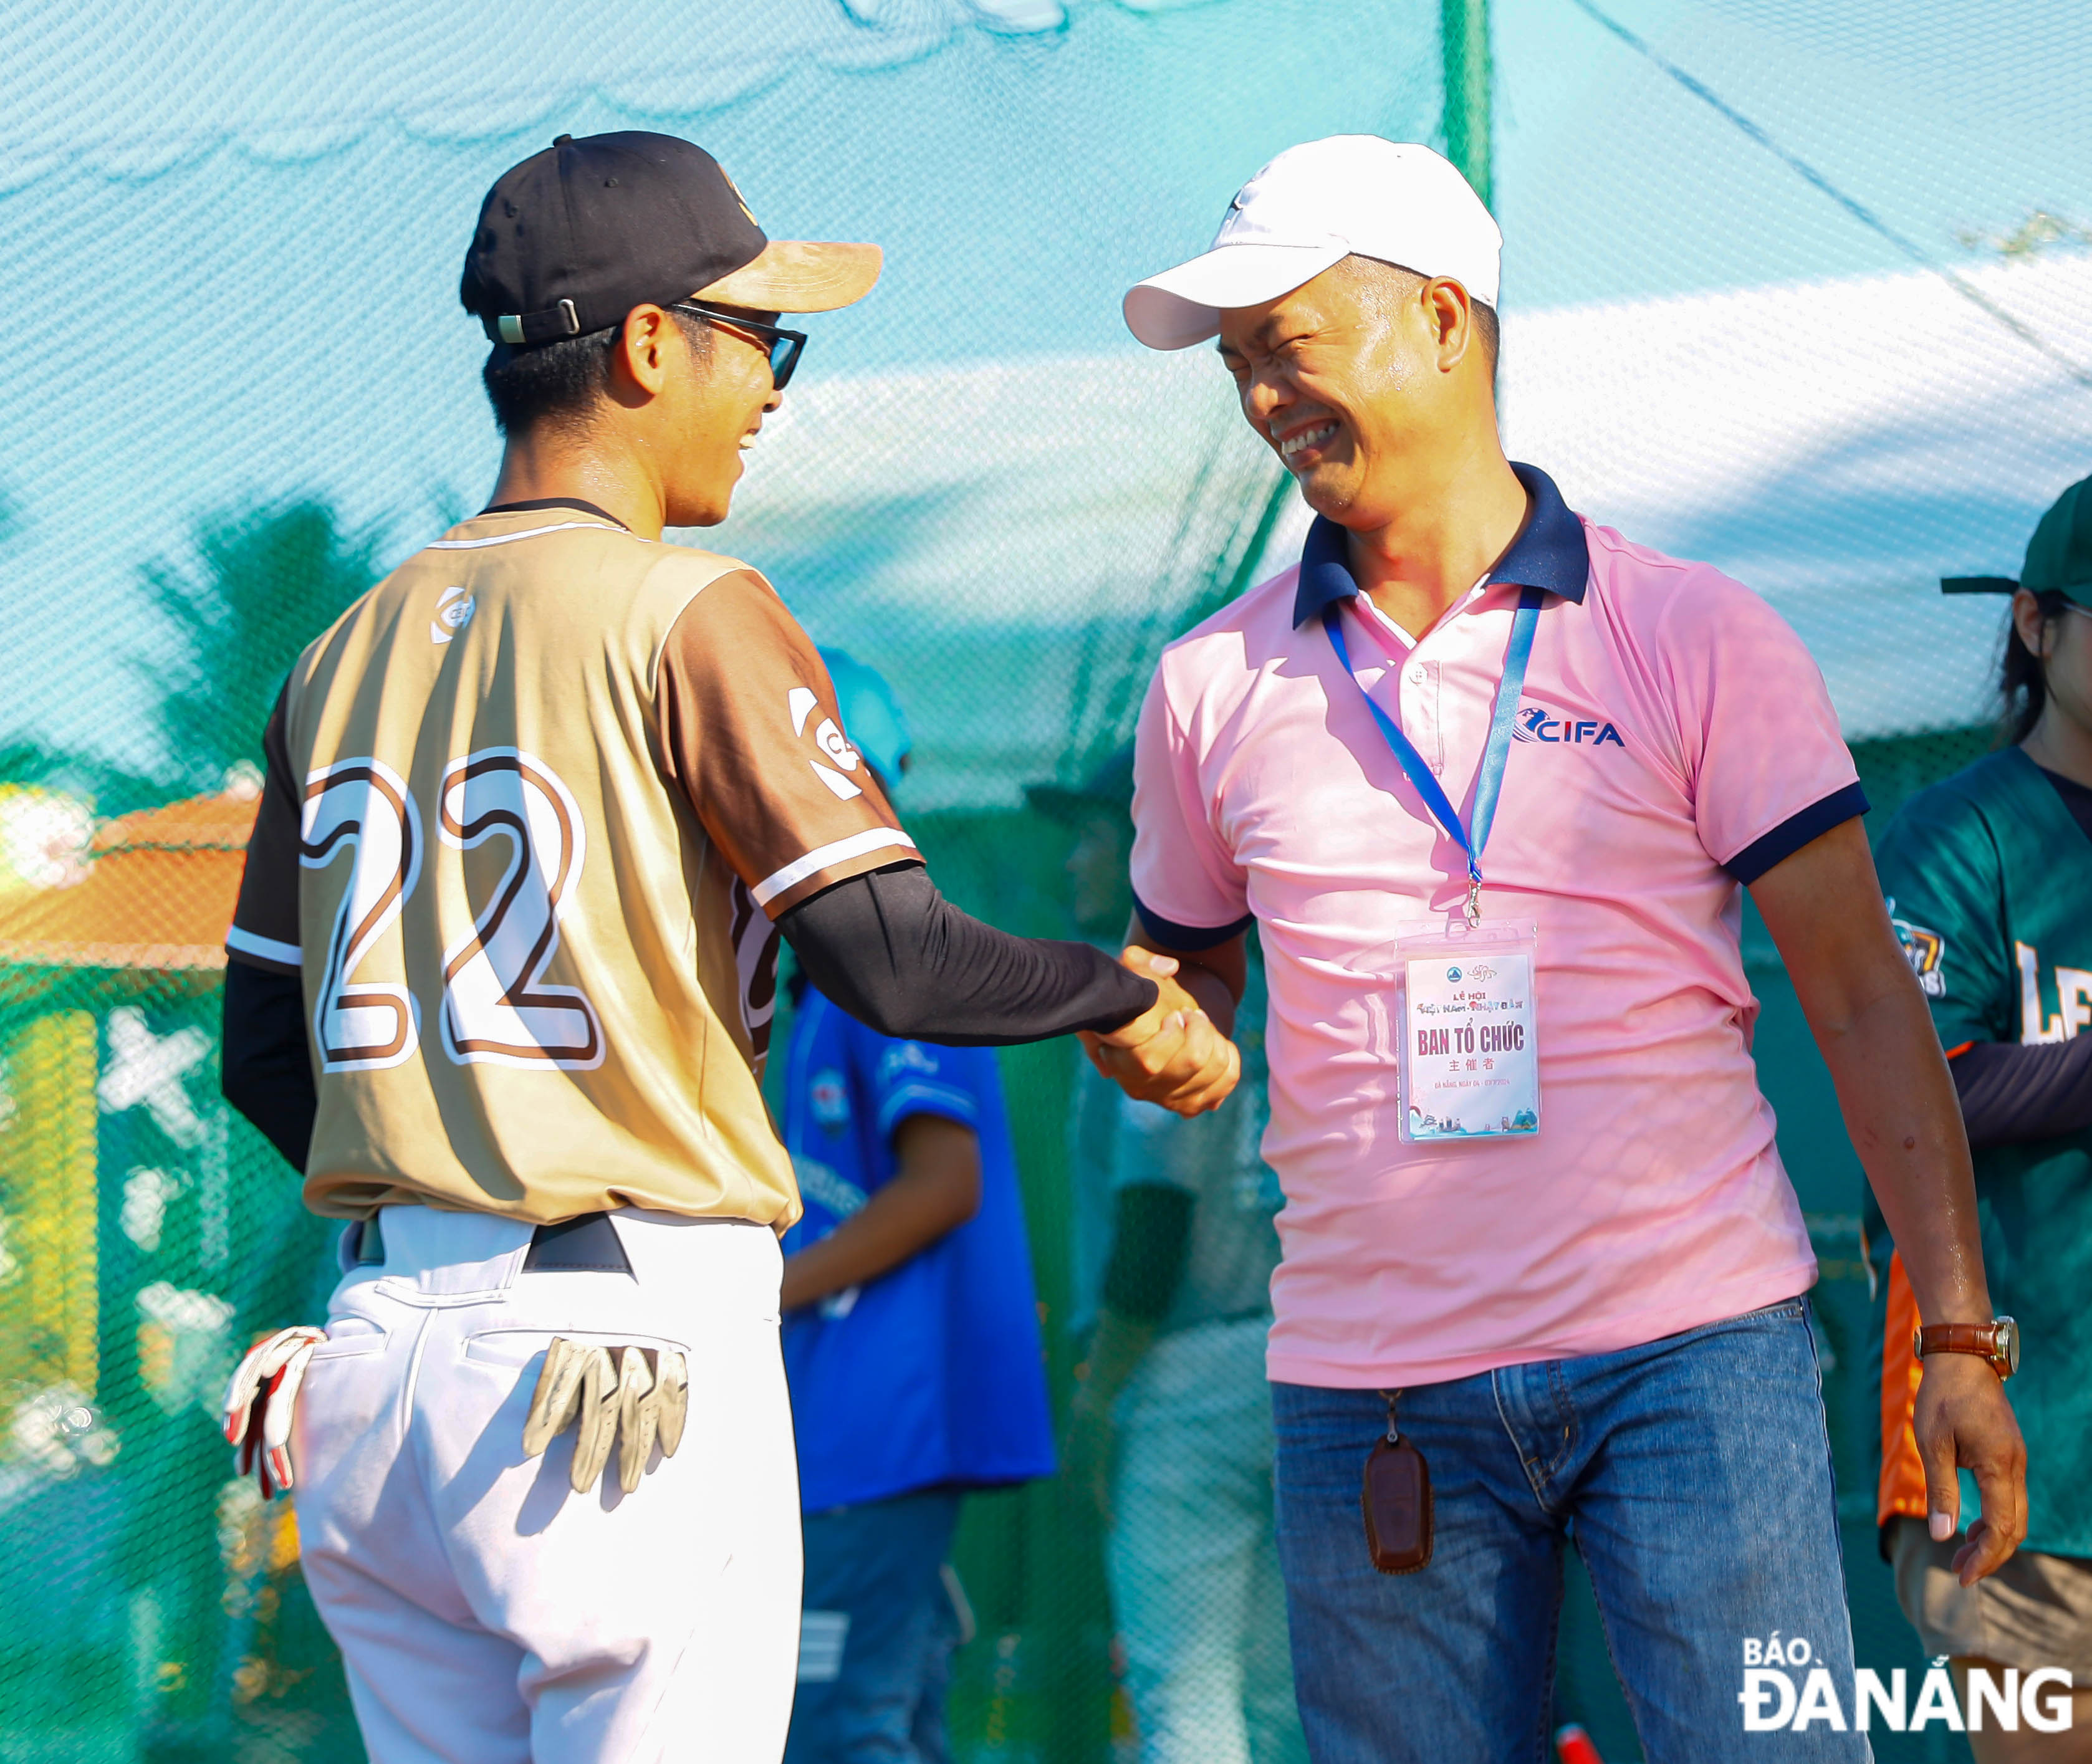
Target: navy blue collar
column 1551, row 553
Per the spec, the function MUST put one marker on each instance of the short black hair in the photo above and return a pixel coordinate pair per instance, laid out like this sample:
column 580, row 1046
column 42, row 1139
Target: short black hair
column 530, row 383
column 1487, row 330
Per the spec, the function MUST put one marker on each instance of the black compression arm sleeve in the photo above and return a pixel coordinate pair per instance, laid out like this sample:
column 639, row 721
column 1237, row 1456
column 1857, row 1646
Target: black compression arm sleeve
column 2010, row 1093
column 1151, row 1239
column 900, row 958
column 266, row 1070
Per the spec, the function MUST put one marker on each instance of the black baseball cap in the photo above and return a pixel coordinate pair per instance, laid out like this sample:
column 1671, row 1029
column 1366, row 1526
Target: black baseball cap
column 573, row 238
column 2059, row 556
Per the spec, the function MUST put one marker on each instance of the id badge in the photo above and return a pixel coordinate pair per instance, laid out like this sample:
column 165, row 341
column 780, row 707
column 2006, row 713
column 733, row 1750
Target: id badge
column 1468, row 1035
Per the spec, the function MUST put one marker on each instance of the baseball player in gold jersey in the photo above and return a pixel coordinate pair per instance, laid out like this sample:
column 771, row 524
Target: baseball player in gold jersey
column 537, row 810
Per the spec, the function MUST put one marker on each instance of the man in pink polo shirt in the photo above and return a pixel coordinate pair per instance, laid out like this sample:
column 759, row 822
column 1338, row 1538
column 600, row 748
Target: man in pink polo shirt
column 1584, row 1308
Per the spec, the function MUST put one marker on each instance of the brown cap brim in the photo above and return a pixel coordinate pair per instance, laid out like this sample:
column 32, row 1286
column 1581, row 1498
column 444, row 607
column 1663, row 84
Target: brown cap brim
column 799, row 276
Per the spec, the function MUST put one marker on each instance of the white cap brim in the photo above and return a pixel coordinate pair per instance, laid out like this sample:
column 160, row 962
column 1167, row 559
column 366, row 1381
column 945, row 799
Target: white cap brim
column 1182, row 306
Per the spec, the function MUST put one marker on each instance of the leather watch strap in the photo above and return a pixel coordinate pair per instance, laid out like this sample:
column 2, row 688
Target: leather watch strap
column 1981, row 1339
column 1958, row 1337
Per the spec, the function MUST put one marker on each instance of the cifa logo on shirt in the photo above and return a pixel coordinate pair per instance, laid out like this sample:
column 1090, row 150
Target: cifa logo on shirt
column 454, row 610
column 831, row 741
column 1535, row 723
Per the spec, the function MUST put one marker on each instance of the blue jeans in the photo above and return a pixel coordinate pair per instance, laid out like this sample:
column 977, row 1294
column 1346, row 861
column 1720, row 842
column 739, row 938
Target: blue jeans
column 1694, row 1475
column 877, row 1633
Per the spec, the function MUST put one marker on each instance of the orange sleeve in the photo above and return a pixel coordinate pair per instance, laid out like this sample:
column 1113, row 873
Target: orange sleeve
column 1902, row 1491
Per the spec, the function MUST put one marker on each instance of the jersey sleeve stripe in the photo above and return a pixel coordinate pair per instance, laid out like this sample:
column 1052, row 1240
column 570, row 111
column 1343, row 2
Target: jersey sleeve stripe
column 871, row 839
column 248, row 943
column 916, row 1098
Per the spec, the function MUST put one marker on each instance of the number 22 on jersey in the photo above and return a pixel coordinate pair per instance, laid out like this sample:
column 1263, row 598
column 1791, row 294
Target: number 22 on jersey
column 495, row 1007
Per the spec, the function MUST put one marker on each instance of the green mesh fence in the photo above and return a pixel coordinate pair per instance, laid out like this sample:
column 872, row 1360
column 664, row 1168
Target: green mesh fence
column 1800, row 288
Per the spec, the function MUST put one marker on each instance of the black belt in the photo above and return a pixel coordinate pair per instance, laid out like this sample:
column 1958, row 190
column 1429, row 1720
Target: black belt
column 587, row 1244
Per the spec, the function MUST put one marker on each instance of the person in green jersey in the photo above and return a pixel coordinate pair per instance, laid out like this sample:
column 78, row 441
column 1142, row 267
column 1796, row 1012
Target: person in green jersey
column 1989, row 876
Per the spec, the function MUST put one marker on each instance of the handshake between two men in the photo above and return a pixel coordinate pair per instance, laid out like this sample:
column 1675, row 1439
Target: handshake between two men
column 1176, row 1052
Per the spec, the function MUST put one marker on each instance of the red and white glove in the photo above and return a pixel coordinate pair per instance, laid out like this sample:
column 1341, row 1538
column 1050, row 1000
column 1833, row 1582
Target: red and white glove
column 260, row 1401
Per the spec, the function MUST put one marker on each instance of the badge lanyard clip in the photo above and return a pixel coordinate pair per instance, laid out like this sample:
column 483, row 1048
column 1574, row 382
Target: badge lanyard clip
column 1488, row 781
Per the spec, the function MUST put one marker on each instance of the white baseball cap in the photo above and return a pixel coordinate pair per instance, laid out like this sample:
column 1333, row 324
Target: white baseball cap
column 1313, row 206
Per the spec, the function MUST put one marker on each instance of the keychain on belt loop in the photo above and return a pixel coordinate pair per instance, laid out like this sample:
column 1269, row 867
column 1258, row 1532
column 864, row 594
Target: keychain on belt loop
column 1395, row 1500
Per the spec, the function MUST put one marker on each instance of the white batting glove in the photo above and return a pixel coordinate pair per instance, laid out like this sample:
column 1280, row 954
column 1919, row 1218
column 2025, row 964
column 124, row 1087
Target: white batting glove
column 643, row 1395
column 261, row 1402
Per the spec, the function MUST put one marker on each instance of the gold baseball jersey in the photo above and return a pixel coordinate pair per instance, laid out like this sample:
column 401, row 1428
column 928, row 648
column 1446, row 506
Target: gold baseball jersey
column 531, row 807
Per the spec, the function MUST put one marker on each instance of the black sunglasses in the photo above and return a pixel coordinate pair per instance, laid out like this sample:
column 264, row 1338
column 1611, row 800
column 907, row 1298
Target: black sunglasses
column 785, row 347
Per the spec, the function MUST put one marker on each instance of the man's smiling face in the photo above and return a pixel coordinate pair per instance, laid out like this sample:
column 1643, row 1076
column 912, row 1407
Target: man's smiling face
column 1341, row 377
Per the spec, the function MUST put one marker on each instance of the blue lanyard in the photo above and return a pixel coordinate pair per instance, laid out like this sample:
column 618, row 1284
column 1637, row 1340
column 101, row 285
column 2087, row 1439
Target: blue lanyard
column 1488, row 781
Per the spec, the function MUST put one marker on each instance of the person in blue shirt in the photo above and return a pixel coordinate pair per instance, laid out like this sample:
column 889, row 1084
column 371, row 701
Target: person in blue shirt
column 911, row 1340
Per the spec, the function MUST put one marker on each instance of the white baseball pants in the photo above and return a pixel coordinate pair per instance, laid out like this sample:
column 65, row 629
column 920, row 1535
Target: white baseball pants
column 485, row 1612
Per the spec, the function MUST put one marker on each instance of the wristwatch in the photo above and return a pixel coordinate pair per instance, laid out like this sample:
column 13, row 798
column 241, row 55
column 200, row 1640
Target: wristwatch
column 1997, row 1341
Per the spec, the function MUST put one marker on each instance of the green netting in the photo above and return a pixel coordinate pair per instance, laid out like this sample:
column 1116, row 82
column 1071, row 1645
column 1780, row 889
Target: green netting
column 1800, row 288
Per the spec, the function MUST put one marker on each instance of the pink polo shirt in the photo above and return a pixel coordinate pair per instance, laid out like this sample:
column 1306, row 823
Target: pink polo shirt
column 1674, row 740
